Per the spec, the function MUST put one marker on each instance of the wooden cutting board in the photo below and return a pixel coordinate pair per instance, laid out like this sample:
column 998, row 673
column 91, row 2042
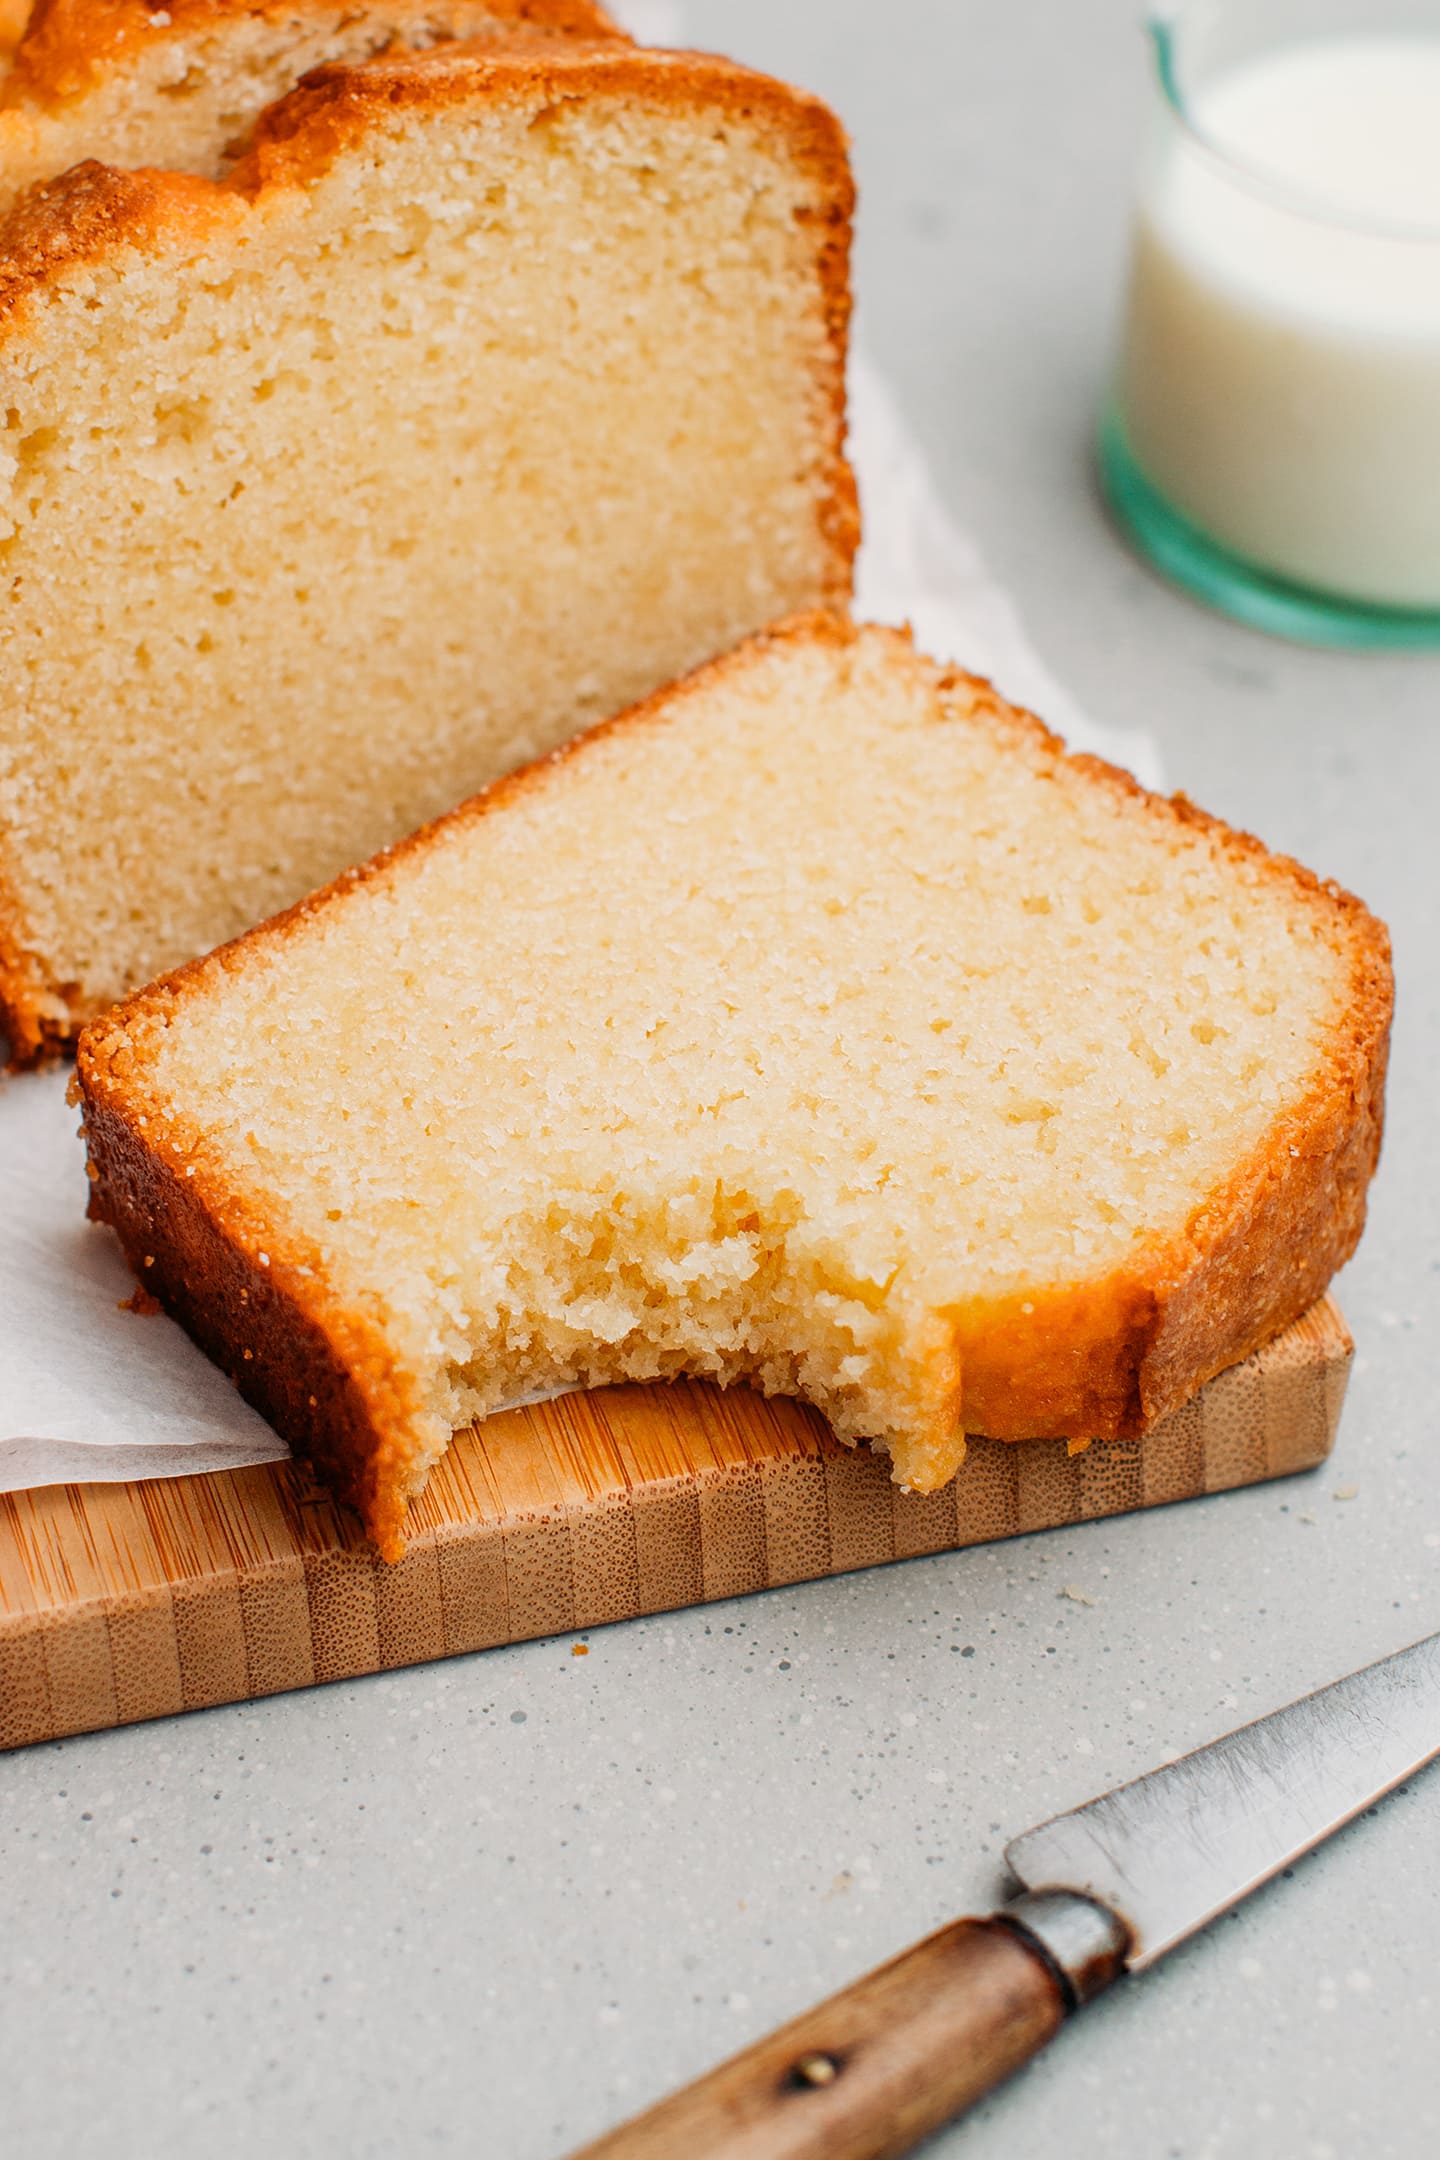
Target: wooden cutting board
column 122, row 1602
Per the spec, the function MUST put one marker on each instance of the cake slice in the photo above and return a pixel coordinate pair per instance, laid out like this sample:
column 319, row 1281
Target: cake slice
column 817, row 1025
column 135, row 85
column 493, row 388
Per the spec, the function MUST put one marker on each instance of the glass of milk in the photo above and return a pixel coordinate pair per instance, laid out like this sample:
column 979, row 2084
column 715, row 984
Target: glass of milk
column 1273, row 443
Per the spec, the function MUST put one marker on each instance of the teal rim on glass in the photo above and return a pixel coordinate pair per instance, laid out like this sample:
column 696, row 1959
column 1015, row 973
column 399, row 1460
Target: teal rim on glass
column 1161, row 535
column 1186, row 557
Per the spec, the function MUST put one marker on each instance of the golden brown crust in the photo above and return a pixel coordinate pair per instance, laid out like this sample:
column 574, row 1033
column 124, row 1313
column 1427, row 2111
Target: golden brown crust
column 92, row 214
column 322, row 1376
column 1098, row 1361
column 22, row 1037
column 70, row 46
column 14, row 15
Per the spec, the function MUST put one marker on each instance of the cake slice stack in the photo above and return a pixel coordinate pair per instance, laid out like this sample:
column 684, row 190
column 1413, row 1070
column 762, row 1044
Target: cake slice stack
column 180, row 87
column 817, row 1025
column 493, row 387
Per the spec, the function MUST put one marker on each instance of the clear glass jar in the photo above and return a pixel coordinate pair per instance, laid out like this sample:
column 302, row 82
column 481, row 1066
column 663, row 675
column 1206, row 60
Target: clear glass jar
column 1273, row 439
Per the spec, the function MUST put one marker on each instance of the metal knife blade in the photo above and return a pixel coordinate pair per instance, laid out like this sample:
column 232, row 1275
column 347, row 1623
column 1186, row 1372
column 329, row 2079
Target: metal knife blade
column 1182, row 1844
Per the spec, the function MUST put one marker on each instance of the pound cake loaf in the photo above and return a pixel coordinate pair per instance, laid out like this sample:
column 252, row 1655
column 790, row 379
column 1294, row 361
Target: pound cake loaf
column 818, row 1025
column 494, row 388
column 180, row 86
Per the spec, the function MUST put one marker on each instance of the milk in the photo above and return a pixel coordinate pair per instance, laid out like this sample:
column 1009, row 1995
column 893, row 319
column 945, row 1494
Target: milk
column 1280, row 376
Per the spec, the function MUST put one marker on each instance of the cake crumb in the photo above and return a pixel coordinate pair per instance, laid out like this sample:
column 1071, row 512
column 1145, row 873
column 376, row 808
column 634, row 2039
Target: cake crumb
column 1076, row 1595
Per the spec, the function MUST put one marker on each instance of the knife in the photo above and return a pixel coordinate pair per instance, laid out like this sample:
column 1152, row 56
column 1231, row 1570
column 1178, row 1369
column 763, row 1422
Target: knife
column 1104, row 1891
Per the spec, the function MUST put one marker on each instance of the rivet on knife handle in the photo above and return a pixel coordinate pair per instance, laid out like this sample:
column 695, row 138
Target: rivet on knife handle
column 868, row 2074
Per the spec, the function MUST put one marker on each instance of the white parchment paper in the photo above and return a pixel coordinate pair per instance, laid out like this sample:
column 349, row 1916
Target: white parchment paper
column 91, row 1391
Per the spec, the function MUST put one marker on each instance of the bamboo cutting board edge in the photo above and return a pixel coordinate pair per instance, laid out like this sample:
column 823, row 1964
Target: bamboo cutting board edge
column 125, row 1602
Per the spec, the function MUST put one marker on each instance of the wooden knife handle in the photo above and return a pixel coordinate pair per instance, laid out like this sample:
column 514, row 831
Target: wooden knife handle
column 868, row 2074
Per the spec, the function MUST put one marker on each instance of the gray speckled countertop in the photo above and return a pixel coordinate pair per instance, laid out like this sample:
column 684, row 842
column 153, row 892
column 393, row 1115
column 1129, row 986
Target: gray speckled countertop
column 490, row 1906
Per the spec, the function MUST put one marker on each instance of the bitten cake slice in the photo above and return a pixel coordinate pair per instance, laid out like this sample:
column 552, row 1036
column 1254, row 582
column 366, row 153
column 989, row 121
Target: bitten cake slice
column 180, row 86
column 819, row 1025
column 494, row 388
